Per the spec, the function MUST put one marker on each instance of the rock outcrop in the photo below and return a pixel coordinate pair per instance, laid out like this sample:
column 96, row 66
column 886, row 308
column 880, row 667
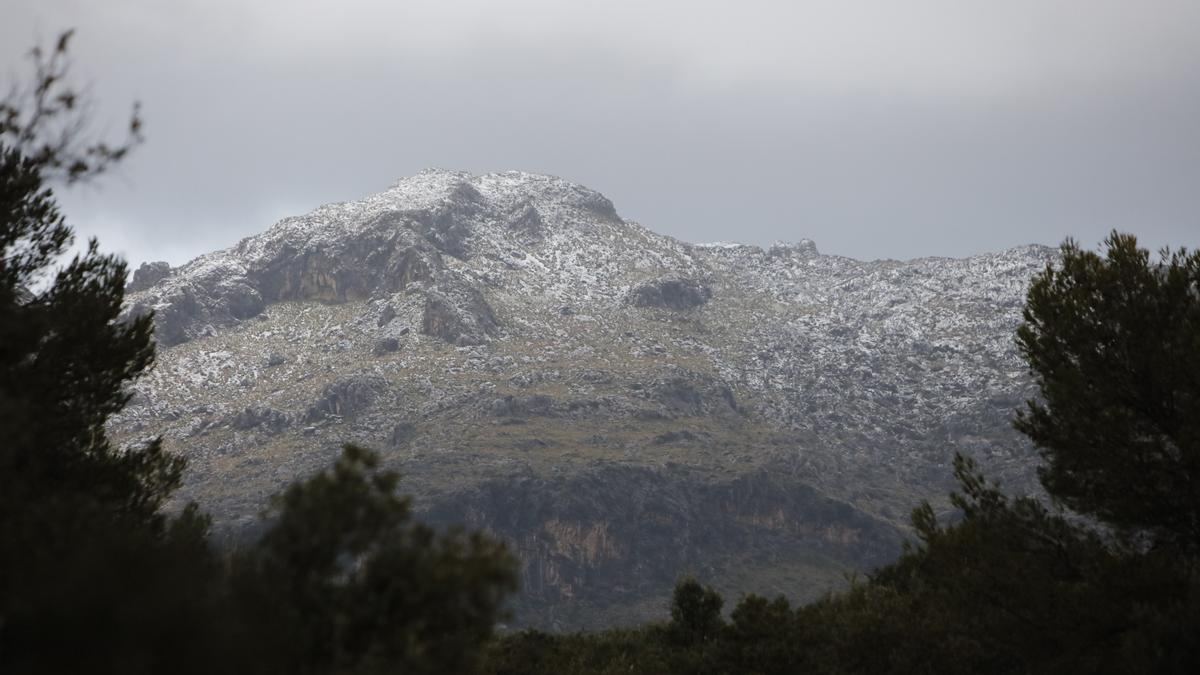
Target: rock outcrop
column 147, row 274
column 259, row 418
column 345, row 398
column 670, row 292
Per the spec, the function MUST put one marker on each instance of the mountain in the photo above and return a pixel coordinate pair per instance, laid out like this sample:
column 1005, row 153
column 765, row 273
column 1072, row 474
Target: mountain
column 622, row 406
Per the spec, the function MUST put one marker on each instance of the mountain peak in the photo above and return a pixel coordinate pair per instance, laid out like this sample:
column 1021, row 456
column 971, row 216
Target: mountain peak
column 505, row 334
column 439, row 230
column 447, row 240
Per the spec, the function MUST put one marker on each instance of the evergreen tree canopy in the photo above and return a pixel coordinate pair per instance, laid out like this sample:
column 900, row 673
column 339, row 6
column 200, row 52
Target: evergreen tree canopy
column 1114, row 344
column 345, row 581
column 94, row 576
column 65, row 362
column 65, row 358
column 1012, row 584
column 695, row 613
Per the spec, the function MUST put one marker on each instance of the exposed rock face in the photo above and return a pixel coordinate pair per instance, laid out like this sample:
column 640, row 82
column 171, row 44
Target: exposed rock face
column 147, row 274
column 237, row 300
column 670, row 292
column 188, row 308
column 448, row 224
column 351, row 272
column 693, row 396
column 464, row 318
column 622, row 406
column 346, row 398
column 628, row 532
column 528, row 223
column 267, row 419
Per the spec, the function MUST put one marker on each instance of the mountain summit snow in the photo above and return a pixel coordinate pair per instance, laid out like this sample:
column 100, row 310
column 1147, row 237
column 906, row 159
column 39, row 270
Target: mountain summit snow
column 624, row 407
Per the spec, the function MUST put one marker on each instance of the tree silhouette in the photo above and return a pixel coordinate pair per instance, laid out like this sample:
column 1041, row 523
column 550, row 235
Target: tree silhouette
column 47, row 120
column 94, row 576
column 86, row 556
column 1114, row 343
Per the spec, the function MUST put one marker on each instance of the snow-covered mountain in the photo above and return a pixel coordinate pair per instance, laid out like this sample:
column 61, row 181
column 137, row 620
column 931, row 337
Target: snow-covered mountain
column 623, row 406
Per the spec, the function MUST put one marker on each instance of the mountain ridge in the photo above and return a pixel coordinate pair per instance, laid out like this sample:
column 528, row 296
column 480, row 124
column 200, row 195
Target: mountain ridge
column 511, row 334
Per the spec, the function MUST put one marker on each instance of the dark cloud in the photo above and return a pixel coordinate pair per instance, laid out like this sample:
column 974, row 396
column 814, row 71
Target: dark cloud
column 909, row 129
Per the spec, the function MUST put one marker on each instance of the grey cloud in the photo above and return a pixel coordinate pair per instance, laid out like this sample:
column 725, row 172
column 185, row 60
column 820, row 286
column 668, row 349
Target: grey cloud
column 942, row 128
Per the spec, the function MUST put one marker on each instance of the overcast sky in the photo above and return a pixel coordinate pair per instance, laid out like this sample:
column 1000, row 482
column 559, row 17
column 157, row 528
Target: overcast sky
column 881, row 129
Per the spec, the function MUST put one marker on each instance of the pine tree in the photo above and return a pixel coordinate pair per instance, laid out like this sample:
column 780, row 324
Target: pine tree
column 1114, row 344
column 695, row 613
column 344, row 580
column 65, row 364
column 92, row 574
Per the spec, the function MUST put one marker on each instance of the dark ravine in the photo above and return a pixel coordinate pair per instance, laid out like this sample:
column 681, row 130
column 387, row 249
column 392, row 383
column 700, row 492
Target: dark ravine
column 622, row 406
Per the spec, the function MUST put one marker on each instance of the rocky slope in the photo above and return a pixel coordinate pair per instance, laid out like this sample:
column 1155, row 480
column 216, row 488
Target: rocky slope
column 622, row 406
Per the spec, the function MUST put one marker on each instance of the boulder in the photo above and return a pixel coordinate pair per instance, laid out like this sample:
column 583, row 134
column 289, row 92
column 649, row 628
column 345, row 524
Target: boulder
column 346, row 398
column 670, row 292
column 386, row 346
column 461, row 318
column 258, row 418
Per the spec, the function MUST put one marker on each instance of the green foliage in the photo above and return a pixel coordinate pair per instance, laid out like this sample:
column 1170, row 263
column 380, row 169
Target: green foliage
column 344, row 581
column 94, row 577
column 695, row 614
column 1011, row 585
column 640, row 651
column 764, row 637
column 86, row 556
column 759, row 639
column 687, row 644
column 64, row 362
column 92, row 597
column 1114, row 343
